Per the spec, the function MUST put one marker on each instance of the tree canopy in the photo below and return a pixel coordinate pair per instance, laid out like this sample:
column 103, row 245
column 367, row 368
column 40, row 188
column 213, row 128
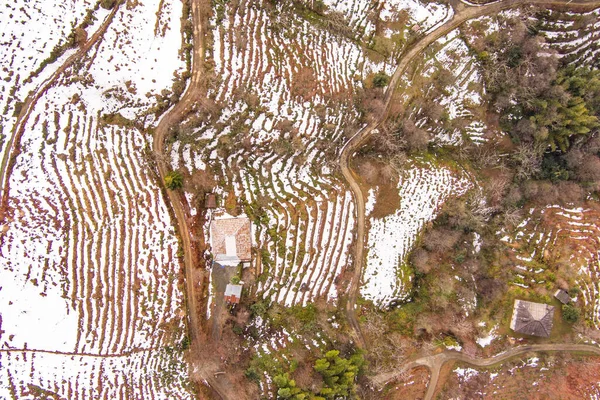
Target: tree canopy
column 338, row 374
column 174, row 180
column 539, row 101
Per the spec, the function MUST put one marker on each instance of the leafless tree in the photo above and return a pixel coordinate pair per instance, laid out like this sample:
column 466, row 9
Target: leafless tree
column 421, row 259
column 369, row 171
column 528, row 160
column 441, row 239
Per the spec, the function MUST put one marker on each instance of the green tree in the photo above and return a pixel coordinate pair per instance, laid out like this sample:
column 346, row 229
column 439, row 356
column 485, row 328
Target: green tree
column 381, row 79
column 287, row 388
column 570, row 313
column 339, row 374
column 174, row 180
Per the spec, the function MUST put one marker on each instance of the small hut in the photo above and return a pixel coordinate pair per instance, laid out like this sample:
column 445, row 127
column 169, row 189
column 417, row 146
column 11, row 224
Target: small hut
column 562, row 296
column 210, row 201
column 233, row 293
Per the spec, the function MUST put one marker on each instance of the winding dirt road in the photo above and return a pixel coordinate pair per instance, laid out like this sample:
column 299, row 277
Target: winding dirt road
column 462, row 13
column 435, row 362
column 200, row 362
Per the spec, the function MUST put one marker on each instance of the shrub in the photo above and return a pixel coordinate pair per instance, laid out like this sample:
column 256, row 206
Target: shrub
column 174, row 180
column 107, row 4
column 381, row 79
column 570, row 313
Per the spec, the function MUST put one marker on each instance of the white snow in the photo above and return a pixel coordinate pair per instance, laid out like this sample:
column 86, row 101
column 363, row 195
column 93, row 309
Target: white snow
column 488, row 339
column 370, row 204
column 422, row 191
column 87, row 262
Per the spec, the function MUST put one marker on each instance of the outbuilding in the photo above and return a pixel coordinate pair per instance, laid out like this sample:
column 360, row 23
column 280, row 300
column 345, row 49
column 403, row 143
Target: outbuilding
column 233, row 293
column 562, row 296
column 210, row 201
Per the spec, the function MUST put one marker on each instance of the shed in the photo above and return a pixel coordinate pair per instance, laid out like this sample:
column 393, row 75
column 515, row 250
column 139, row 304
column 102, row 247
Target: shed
column 210, row 200
column 233, row 293
column 562, row 296
column 531, row 318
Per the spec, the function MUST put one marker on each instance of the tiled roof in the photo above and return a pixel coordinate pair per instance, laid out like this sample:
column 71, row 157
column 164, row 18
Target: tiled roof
column 532, row 318
column 562, row 296
column 230, row 238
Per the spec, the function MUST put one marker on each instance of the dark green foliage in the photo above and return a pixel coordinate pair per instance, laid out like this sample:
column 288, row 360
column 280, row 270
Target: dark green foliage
column 252, row 374
column 538, row 102
column 574, row 292
column 554, row 168
column 381, row 79
column 107, row 4
column 306, row 315
column 570, row 313
column 338, row 374
column 259, row 309
column 174, row 180
column 185, row 343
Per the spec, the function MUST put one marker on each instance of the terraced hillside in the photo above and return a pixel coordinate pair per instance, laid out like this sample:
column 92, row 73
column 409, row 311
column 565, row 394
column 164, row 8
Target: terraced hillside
column 574, row 35
column 31, row 32
column 284, row 94
column 281, row 106
column 91, row 301
column 557, row 241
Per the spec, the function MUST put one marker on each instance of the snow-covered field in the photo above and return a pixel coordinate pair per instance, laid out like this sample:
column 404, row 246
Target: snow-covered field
column 30, row 30
column 461, row 99
column 87, row 248
column 283, row 89
column 423, row 189
column 360, row 13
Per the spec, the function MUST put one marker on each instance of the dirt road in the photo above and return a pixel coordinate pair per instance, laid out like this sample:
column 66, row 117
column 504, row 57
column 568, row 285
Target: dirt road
column 462, row 13
column 435, row 362
column 200, row 366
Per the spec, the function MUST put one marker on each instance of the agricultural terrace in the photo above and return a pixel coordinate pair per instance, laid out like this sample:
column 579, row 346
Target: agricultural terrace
column 92, row 305
column 27, row 51
column 558, row 245
column 280, row 102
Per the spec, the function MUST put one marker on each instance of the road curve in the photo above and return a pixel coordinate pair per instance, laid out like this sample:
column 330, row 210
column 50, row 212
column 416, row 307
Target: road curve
column 435, row 362
column 13, row 147
column 198, row 344
column 463, row 13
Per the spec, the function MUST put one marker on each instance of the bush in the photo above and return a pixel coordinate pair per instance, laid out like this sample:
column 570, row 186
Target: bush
column 174, row 180
column 339, row 374
column 107, row 4
column 570, row 313
column 381, row 79
column 259, row 309
column 574, row 291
